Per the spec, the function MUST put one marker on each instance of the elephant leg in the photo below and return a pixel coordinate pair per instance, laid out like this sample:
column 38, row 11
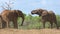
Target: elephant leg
column 43, row 24
column 3, row 24
column 51, row 24
column 57, row 25
column 22, row 24
column 0, row 25
column 15, row 24
column 7, row 24
column 43, row 21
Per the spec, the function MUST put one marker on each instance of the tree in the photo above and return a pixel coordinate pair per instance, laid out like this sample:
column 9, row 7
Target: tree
column 8, row 5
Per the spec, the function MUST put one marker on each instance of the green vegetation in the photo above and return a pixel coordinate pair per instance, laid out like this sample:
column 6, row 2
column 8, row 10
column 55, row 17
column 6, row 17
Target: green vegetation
column 58, row 20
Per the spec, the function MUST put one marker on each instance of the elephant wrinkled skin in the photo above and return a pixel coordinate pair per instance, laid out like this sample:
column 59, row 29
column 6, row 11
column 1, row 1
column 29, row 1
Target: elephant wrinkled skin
column 46, row 16
column 11, row 15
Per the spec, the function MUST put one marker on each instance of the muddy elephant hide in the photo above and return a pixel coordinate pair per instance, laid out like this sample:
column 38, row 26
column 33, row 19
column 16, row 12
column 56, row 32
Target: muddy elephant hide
column 11, row 15
column 46, row 16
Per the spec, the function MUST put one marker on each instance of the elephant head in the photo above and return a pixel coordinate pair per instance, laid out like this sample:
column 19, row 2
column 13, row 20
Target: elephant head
column 39, row 12
column 20, row 14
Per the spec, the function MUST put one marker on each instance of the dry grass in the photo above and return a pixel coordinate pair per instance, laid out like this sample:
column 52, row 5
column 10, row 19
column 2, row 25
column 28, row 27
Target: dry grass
column 32, row 31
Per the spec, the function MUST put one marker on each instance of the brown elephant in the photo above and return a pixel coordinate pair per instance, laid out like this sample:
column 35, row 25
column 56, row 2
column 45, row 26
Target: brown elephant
column 11, row 15
column 46, row 16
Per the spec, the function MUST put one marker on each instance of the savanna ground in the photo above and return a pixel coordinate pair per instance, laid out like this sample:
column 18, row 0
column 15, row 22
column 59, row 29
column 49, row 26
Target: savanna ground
column 32, row 31
column 32, row 25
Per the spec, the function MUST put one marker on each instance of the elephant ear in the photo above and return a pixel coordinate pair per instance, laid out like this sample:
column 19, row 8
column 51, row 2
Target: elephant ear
column 40, row 11
column 19, row 12
column 45, row 13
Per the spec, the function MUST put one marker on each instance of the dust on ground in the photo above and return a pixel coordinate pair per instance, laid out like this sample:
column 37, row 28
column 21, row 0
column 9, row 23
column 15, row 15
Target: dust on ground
column 31, row 31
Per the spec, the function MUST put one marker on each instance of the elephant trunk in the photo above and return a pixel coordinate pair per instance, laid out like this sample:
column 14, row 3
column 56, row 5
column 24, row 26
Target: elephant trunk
column 22, row 20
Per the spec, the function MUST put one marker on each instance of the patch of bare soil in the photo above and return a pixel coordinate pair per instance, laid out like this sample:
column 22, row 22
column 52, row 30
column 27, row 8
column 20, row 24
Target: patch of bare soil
column 32, row 31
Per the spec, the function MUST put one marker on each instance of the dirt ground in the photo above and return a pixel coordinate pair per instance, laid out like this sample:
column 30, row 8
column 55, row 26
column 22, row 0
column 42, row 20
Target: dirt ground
column 32, row 31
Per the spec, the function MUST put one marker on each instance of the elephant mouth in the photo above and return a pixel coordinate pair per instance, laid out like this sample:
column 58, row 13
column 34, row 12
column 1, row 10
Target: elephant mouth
column 32, row 13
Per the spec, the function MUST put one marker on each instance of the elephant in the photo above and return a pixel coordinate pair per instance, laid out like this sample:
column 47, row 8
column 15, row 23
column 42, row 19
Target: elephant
column 11, row 15
column 47, row 16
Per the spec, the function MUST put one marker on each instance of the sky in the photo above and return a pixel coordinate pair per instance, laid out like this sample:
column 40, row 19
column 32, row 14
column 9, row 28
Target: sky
column 26, row 6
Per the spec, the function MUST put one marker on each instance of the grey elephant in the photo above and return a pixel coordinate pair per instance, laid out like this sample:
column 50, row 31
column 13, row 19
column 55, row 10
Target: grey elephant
column 46, row 16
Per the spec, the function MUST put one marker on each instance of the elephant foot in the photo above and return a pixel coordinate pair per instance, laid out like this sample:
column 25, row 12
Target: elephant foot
column 51, row 28
column 43, row 28
column 16, row 27
column 57, row 27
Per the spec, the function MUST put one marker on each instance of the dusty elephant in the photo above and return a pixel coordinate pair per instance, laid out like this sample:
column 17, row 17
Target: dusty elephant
column 46, row 16
column 11, row 15
column 2, row 22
